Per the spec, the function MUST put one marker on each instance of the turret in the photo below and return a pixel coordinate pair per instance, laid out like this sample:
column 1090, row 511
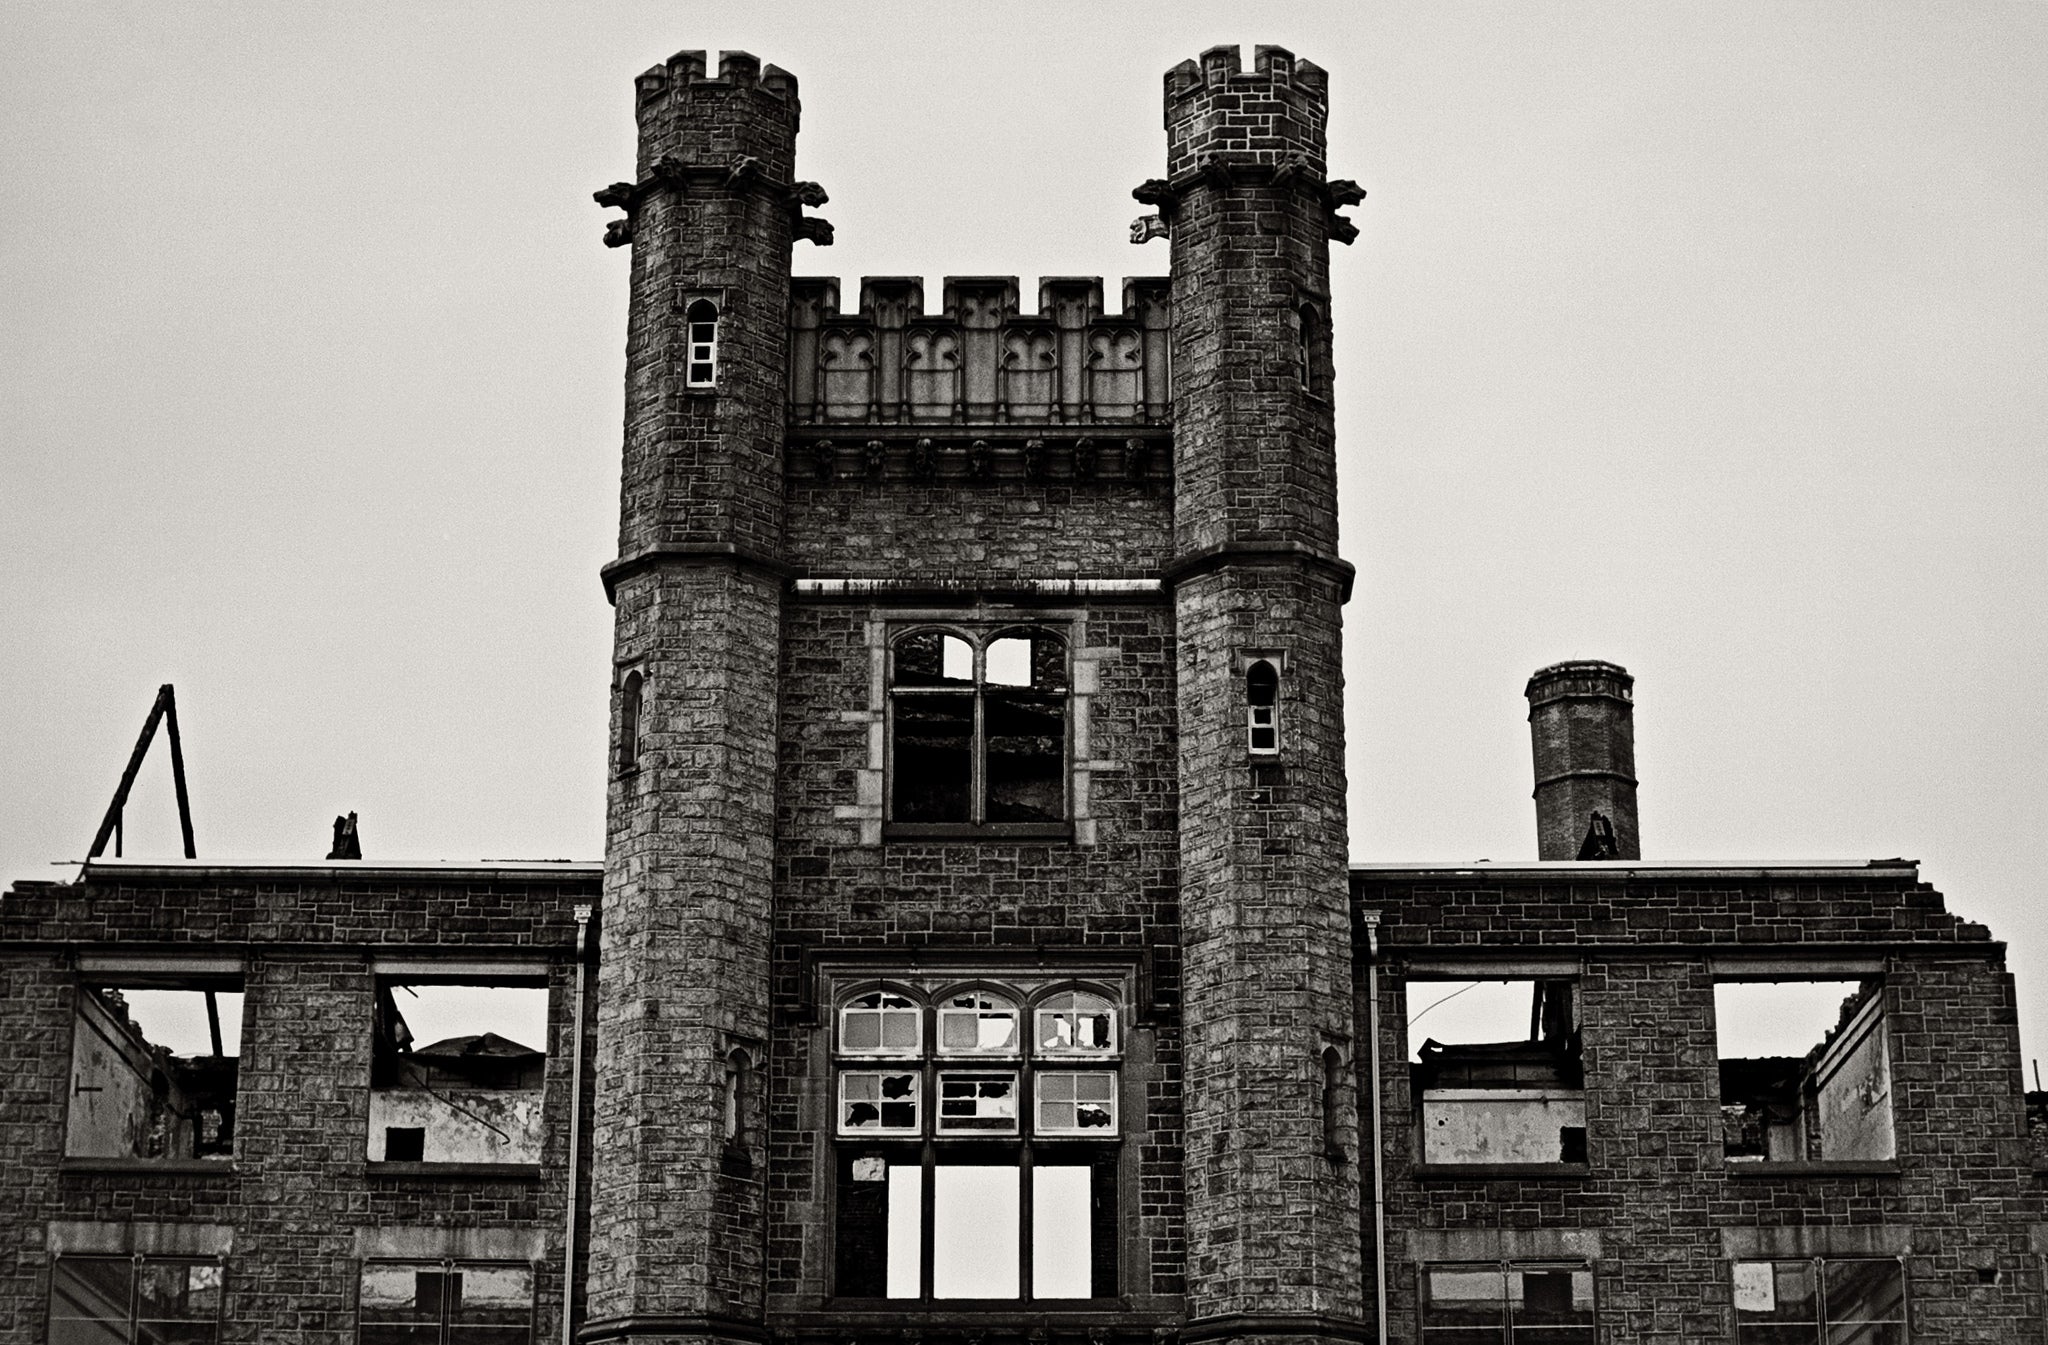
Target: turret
column 1582, row 733
column 1272, row 1138
column 676, row 1198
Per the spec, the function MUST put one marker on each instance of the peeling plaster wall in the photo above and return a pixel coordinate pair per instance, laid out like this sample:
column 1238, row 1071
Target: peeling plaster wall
column 110, row 1108
column 1853, row 1083
column 458, row 1122
column 1498, row 1125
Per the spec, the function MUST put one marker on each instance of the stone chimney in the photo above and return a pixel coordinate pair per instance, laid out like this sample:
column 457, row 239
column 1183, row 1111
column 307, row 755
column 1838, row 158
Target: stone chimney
column 1583, row 734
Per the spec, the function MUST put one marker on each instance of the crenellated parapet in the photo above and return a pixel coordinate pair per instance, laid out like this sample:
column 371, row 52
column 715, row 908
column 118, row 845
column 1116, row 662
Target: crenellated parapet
column 979, row 360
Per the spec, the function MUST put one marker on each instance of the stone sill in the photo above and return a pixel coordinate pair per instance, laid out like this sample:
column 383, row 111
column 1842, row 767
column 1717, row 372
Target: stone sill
column 156, row 1167
column 1450, row 1172
column 1855, row 1167
column 970, row 831
column 516, row 1172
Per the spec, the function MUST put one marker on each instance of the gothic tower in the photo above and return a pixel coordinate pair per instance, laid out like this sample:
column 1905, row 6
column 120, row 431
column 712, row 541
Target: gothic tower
column 683, row 994
column 1273, row 1160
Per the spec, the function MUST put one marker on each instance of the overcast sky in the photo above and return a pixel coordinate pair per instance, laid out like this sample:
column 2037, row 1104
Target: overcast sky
column 1706, row 338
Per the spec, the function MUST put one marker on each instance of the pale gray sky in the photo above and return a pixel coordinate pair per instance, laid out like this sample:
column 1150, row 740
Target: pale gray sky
column 1707, row 338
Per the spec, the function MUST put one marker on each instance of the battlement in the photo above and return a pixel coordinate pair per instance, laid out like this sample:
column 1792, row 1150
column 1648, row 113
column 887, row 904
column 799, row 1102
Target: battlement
column 979, row 360
column 736, row 70
column 1223, row 67
column 1273, row 113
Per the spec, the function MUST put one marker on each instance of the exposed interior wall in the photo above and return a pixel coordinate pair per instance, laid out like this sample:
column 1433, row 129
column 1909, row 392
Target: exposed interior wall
column 1852, row 1088
column 1502, row 1125
column 112, row 1109
column 463, row 1125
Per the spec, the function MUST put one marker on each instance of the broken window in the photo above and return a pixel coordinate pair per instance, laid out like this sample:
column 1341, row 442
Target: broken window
column 458, row 1070
column 134, row 1298
column 978, row 727
column 1805, row 1071
column 1003, row 1185
column 701, row 356
column 1495, row 1067
column 444, row 1303
column 1500, row 1304
column 154, row 1066
column 1820, row 1300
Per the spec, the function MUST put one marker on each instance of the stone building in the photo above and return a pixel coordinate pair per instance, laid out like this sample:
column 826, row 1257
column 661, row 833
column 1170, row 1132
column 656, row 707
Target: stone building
column 976, row 957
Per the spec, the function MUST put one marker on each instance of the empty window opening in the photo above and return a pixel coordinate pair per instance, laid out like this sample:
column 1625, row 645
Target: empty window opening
column 154, row 1070
column 1805, row 1071
column 701, row 359
column 461, row 1065
column 1518, row 1301
column 965, row 1164
column 1305, row 327
column 135, row 1298
column 444, row 1303
column 978, row 727
column 1262, row 708
column 1496, row 1070
column 631, row 691
column 1819, row 1300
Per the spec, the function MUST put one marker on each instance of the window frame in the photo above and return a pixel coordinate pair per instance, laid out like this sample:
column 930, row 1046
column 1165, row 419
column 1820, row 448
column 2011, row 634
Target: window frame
column 978, row 636
column 1573, row 1053
column 135, row 1261
column 209, row 979
column 1873, row 992
column 387, row 977
column 709, row 348
column 1023, row 1145
column 1507, row 1328
column 447, row 1266
column 1822, row 1323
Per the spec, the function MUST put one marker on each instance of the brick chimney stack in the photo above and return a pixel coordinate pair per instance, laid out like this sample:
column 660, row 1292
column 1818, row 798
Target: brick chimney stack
column 1583, row 734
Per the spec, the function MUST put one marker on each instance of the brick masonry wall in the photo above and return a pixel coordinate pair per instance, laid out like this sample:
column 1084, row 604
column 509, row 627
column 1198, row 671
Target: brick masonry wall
column 988, row 531
column 1658, row 1194
column 298, row 1190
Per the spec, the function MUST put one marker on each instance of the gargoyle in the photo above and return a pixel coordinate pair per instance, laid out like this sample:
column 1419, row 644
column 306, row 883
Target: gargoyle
column 1145, row 228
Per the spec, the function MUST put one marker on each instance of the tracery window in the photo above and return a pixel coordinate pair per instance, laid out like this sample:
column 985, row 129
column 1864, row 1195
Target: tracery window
column 978, row 728
column 978, row 1141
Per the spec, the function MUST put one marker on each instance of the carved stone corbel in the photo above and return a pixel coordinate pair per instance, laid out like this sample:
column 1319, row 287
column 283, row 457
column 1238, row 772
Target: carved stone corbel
column 1145, row 228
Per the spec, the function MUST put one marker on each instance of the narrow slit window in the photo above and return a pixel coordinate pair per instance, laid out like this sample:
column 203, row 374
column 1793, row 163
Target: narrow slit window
column 701, row 360
column 1262, row 708
column 630, row 693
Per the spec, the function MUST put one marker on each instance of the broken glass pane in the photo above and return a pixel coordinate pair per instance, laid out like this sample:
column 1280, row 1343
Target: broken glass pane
column 930, row 658
column 1076, row 1023
column 881, row 1023
column 977, row 1023
column 978, row 1102
column 871, row 1101
column 1073, row 1102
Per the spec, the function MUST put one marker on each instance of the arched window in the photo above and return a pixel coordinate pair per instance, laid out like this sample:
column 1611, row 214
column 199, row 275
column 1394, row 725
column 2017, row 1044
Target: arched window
column 700, row 360
column 977, row 1022
column 978, row 727
column 881, row 1022
column 1076, row 1022
column 1262, row 708
column 630, row 692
